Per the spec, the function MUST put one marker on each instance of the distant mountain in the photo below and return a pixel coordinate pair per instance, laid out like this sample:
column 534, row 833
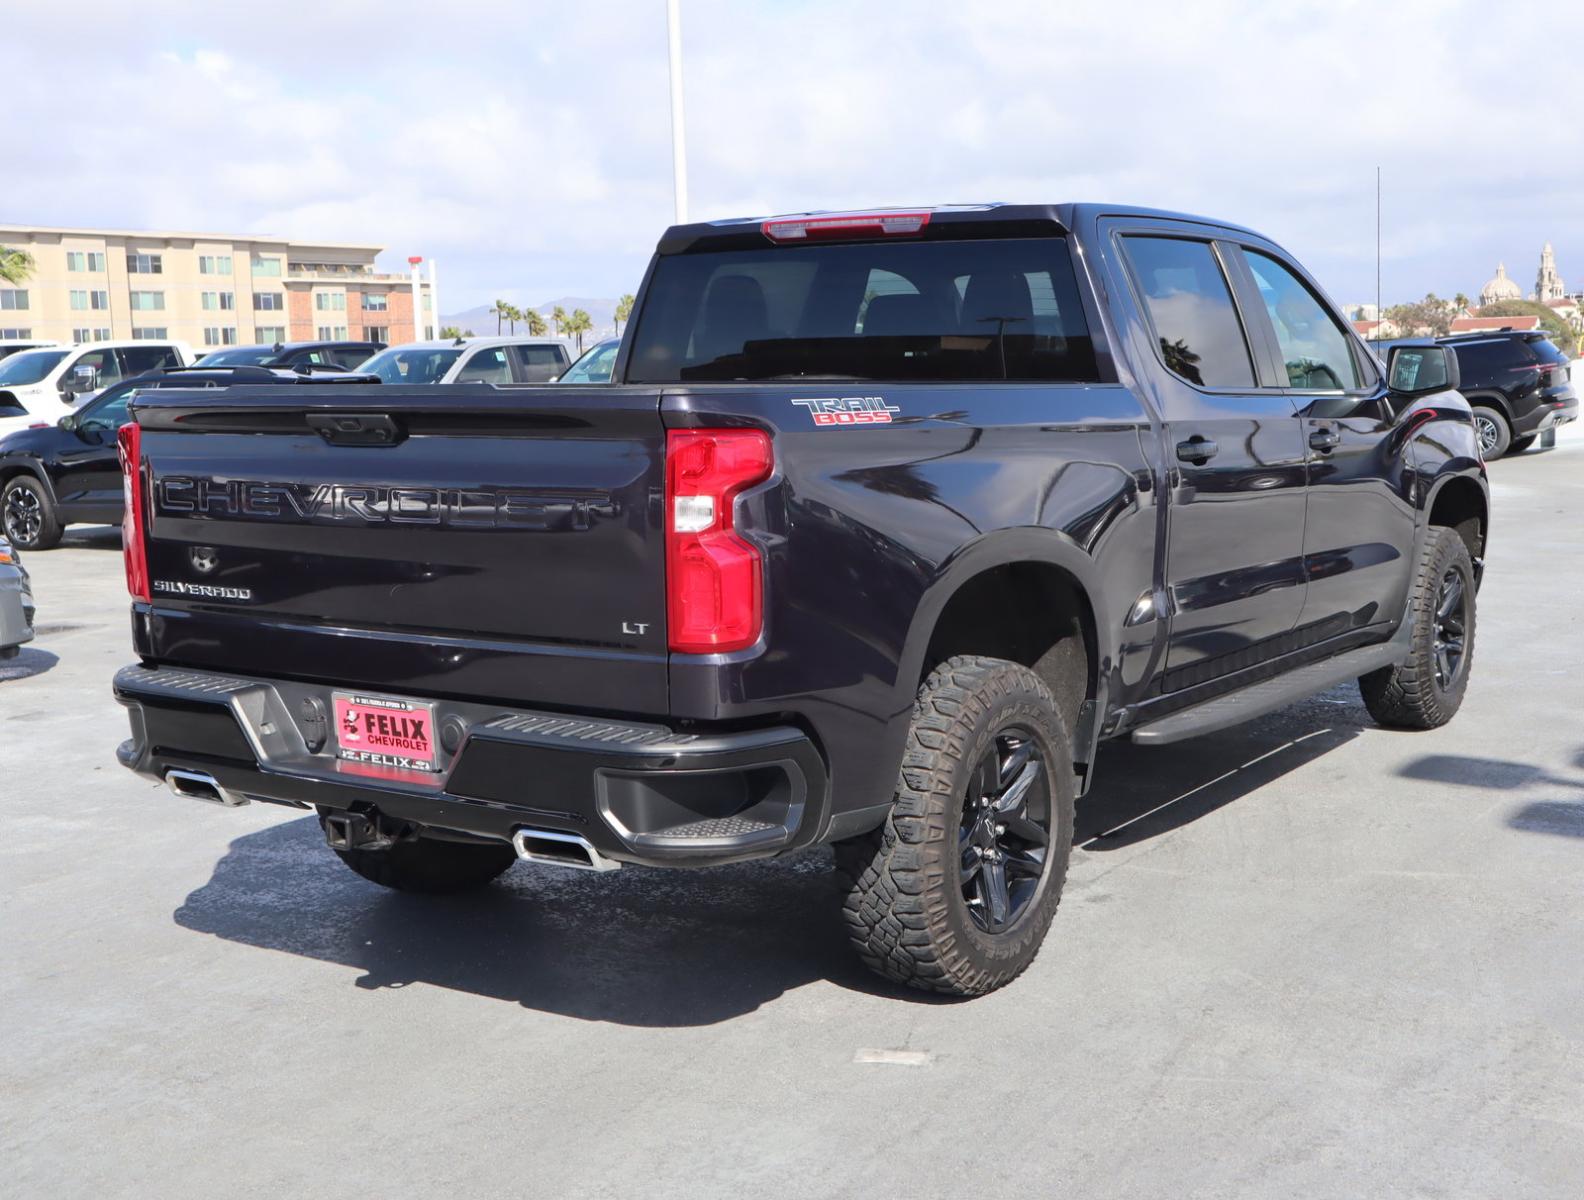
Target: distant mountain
column 481, row 320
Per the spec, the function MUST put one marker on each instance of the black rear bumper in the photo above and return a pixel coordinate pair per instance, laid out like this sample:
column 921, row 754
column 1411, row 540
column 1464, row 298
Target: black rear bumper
column 637, row 792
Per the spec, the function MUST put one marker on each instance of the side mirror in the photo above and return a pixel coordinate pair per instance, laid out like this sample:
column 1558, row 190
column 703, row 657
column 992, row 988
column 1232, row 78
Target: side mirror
column 68, row 422
column 1421, row 370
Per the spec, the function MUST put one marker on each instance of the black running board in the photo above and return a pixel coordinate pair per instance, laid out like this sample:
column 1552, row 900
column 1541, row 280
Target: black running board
column 1286, row 688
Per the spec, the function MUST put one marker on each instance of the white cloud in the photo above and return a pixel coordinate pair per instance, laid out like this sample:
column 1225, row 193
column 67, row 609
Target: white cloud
column 527, row 148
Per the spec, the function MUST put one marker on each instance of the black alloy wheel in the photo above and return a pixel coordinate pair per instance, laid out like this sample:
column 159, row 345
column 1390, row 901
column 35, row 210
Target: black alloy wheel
column 1004, row 834
column 1451, row 624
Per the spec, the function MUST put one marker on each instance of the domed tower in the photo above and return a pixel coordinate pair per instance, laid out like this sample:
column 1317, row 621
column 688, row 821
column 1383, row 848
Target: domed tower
column 1500, row 288
column 1548, row 284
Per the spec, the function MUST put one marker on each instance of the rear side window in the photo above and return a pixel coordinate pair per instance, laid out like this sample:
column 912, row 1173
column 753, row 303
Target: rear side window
column 1481, row 360
column 539, row 363
column 943, row 310
column 1314, row 349
column 138, row 359
column 1190, row 305
column 1545, row 350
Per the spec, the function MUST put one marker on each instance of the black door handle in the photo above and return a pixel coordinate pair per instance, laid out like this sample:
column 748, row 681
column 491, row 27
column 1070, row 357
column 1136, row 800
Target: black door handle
column 1197, row 449
column 1324, row 440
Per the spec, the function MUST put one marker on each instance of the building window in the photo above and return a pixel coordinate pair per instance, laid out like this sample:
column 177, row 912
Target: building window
column 330, row 301
column 376, row 333
column 82, row 300
column 266, row 266
column 85, row 260
column 214, row 264
column 220, row 335
column 145, row 301
column 79, row 299
column 219, row 301
column 13, row 298
column 270, row 334
column 332, row 333
column 269, row 302
column 16, row 334
column 85, row 334
column 154, row 333
column 375, row 301
column 145, row 264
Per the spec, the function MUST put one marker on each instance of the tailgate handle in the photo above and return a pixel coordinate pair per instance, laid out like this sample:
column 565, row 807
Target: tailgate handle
column 356, row 429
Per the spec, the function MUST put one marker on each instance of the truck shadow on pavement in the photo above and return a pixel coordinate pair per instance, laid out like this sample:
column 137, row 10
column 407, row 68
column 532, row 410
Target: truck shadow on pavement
column 92, row 537
column 1560, row 818
column 27, row 662
column 656, row 948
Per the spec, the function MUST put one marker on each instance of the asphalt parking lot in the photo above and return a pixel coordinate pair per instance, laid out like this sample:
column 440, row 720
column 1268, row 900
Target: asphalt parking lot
column 1307, row 957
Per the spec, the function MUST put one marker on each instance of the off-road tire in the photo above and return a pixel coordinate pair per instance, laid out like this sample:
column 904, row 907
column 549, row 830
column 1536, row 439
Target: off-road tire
column 1407, row 696
column 904, row 908
column 48, row 534
column 431, row 866
column 1519, row 445
column 1503, row 434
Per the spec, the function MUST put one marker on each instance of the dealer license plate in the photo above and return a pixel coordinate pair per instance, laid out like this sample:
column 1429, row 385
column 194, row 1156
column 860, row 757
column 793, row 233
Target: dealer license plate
column 385, row 732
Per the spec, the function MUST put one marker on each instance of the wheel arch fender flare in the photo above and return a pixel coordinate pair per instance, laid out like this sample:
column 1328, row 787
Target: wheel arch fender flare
column 1007, row 547
column 18, row 463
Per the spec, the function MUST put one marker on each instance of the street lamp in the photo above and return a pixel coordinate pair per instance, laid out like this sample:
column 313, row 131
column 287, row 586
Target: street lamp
column 413, row 262
column 678, row 126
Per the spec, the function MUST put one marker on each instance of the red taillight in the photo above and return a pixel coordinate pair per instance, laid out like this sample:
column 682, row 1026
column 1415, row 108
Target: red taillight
column 714, row 578
column 840, row 225
column 129, row 442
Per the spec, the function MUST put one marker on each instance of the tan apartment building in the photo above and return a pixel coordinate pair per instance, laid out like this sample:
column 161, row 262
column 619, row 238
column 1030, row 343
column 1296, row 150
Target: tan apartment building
column 91, row 285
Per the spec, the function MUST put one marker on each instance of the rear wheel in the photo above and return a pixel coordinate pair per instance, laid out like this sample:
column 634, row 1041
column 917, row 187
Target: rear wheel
column 1425, row 690
column 27, row 516
column 955, row 892
column 1519, row 445
column 431, row 866
column 1495, row 436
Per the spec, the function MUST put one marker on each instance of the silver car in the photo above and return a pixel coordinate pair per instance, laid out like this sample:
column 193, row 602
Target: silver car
column 16, row 602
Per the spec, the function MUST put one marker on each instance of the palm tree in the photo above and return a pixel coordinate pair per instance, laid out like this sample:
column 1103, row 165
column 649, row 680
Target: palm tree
column 579, row 323
column 624, row 308
column 16, row 266
column 558, row 318
column 513, row 315
column 536, row 323
column 500, row 310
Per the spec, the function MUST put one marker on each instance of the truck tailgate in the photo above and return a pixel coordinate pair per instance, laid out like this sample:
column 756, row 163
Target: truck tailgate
column 466, row 541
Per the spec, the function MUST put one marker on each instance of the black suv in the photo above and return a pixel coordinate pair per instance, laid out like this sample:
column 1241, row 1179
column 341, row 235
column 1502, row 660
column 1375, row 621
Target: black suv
column 68, row 473
column 1518, row 386
column 329, row 355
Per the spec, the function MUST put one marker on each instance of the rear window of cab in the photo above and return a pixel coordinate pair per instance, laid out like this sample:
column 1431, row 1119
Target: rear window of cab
column 976, row 310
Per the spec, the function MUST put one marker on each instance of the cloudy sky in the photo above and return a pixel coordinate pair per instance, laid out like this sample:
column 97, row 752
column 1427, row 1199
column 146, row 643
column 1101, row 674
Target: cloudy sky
column 525, row 145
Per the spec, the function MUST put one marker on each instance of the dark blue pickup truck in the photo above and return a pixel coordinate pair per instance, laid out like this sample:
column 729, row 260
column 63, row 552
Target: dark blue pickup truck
column 887, row 520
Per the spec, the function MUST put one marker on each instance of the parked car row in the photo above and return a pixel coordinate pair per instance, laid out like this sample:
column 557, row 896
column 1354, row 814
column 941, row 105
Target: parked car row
column 1518, row 384
column 16, row 602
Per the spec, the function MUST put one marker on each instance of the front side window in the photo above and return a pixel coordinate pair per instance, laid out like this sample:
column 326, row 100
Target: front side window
column 401, row 365
column 108, row 410
column 1190, row 306
column 1314, row 348
column 145, row 264
column 993, row 309
column 486, row 366
column 101, row 368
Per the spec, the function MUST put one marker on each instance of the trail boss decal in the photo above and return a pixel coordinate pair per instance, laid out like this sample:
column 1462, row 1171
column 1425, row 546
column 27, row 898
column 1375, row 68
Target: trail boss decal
column 850, row 410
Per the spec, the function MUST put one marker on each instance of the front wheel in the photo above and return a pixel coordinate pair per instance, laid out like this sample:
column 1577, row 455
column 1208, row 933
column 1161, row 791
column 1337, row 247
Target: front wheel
column 955, row 892
column 27, row 516
column 1495, row 437
column 1425, row 690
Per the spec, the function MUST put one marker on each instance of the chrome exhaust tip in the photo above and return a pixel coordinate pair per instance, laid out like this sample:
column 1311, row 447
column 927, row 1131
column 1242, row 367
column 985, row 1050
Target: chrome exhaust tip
column 197, row 785
column 554, row 849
